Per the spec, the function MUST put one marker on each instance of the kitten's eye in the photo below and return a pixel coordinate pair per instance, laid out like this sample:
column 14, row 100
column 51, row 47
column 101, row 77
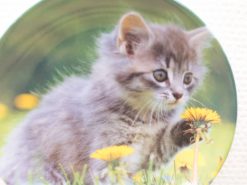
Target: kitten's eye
column 188, row 78
column 160, row 75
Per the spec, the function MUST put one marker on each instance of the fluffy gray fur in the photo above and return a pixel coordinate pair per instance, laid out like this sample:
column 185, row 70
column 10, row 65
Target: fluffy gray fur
column 121, row 103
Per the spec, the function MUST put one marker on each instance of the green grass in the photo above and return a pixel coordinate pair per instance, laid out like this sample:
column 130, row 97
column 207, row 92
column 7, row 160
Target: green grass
column 7, row 124
column 209, row 165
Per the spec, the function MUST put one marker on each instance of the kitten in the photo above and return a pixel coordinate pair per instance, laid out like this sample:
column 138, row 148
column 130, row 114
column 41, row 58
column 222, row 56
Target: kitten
column 144, row 75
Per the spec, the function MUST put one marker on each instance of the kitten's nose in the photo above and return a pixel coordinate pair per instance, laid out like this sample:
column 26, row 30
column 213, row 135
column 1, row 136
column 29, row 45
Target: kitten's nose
column 177, row 95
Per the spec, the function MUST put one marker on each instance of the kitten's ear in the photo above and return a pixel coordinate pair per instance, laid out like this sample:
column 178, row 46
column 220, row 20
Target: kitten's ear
column 132, row 31
column 200, row 38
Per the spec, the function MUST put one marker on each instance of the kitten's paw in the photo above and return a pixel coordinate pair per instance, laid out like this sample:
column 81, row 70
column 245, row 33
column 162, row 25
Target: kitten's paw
column 183, row 134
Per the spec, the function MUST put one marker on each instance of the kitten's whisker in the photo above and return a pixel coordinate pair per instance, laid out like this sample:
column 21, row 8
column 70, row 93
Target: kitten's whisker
column 151, row 115
column 146, row 112
column 197, row 101
column 163, row 109
column 207, row 100
column 189, row 104
column 160, row 111
column 140, row 111
column 156, row 111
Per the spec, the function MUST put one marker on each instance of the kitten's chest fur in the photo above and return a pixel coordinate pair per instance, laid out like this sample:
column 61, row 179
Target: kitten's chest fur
column 145, row 132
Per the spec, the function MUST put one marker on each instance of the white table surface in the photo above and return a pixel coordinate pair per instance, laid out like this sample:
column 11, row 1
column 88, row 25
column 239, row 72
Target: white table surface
column 227, row 19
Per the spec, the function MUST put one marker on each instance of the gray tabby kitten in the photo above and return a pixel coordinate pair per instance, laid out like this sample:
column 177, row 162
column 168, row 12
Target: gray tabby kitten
column 144, row 75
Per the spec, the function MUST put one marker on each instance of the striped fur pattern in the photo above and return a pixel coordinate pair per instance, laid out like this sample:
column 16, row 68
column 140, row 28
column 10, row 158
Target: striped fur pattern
column 120, row 103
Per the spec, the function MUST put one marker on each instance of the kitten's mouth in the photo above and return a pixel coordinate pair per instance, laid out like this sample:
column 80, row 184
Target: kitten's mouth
column 169, row 103
column 173, row 103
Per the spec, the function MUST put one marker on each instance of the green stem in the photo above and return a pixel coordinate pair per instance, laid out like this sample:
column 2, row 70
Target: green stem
column 195, row 162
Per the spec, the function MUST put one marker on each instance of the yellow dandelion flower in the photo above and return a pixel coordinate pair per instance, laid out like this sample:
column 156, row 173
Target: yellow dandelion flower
column 137, row 178
column 184, row 160
column 26, row 101
column 112, row 153
column 3, row 111
column 201, row 115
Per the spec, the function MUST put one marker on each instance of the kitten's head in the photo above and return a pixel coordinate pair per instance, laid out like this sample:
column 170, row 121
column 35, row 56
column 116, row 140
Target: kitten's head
column 156, row 65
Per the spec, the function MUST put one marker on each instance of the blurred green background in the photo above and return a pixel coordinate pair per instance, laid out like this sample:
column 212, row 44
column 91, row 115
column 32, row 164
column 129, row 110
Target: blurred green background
column 57, row 38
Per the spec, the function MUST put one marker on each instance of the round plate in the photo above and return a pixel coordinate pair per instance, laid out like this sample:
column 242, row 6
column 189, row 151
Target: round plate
column 57, row 38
